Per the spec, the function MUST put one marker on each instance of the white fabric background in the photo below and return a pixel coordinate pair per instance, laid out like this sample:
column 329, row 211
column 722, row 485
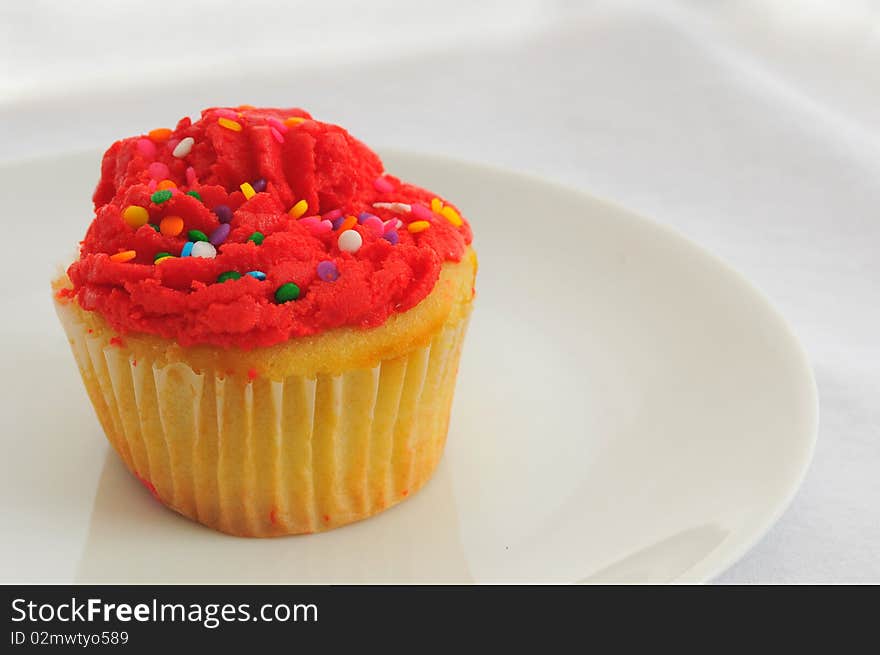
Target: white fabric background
column 752, row 127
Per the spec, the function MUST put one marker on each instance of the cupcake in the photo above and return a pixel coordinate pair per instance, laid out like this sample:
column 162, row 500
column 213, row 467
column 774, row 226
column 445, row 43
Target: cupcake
column 267, row 323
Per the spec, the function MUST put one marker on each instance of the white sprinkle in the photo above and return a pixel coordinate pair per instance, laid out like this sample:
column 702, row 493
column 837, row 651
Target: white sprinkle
column 182, row 149
column 203, row 249
column 393, row 206
column 350, row 241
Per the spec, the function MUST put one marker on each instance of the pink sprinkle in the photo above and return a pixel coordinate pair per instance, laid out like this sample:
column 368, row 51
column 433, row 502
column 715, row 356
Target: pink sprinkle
column 278, row 125
column 152, row 185
column 382, row 185
column 159, row 171
column 172, row 143
column 374, row 224
column 227, row 113
column 191, row 178
column 421, row 213
column 387, row 226
column 146, row 147
column 315, row 225
column 277, row 135
column 333, row 215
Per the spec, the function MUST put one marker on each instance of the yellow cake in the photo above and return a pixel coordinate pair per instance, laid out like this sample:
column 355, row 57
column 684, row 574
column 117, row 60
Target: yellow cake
column 284, row 402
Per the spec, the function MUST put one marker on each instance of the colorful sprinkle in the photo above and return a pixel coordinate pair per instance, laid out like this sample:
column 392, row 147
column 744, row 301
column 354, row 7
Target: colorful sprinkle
column 293, row 121
column 220, row 235
column 146, row 147
column 257, row 238
column 229, row 124
column 418, row 226
column 278, row 125
column 436, row 205
column 203, row 249
column 229, row 275
column 197, row 235
column 187, row 249
column 124, row 256
column 248, row 190
column 161, row 196
column 337, row 222
column 154, row 226
column 135, row 215
column 299, row 209
column 259, row 185
column 257, row 274
column 158, row 170
column 286, row 293
column 391, row 237
column 451, row 215
column 161, row 255
column 333, row 214
column 166, row 184
column 227, row 113
column 350, row 241
column 171, row 226
column 348, row 223
column 224, row 213
column 421, row 213
column 390, row 226
column 315, row 225
column 382, row 185
column 159, row 135
column 183, row 148
column 393, row 206
column 276, row 135
column 327, row 271
column 374, row 224
column 194, row 194
column 159, row 260
column 191, row 178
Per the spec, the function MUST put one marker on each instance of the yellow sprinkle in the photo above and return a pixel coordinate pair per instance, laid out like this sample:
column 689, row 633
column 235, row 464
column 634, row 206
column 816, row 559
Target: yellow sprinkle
column 293, row 120
column 451, row 216
column 135, row 216
column 124, row 256
column 162, row 259
column 418, row 226
column 436, row 205
column 247, row 189
column 229, row 124
column 299, row 209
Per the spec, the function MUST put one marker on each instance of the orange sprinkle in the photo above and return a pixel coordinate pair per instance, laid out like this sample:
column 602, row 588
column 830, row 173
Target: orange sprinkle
column 293, row 120
column 171, row 226
column 436, row 205
column 299, row 209
column 159, row 134
column 124, row 256
column 348, row 223
column 418, row 226
column 405, row 492
column 246, row 107
column 229, row 124
column 166, row 184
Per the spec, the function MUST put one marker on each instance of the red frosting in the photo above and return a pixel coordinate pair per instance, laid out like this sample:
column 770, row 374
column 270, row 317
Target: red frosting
column 181, row 299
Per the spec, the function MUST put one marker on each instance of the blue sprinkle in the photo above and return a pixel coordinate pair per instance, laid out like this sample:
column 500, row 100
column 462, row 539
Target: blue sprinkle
column 391, row 237
column 337, row 222
column 257, row 274
column 187, row 249
column 364, row 216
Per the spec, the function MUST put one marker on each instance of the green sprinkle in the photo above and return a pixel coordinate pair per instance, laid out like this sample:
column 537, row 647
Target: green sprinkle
column 194, row 194
column 160, row 255
column 228, row 275
column 161, row 196
column 197, row 235
column 286, row 293
column 154, row 226
column 256, row 237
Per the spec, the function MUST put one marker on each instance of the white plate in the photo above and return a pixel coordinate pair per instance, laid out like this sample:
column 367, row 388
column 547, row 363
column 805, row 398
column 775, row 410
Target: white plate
column 628, row 409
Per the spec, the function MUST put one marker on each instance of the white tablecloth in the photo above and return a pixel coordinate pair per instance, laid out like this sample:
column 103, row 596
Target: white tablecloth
column 752, row 127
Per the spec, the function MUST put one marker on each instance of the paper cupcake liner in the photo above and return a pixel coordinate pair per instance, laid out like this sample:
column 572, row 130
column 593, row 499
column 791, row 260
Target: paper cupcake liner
column 262, row 457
